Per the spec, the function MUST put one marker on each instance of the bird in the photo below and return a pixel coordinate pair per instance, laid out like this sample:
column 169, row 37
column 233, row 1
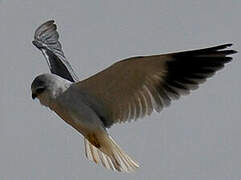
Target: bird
column 127, row 90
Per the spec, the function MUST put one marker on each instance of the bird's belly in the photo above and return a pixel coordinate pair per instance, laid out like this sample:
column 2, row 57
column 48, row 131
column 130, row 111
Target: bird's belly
column 82, row 118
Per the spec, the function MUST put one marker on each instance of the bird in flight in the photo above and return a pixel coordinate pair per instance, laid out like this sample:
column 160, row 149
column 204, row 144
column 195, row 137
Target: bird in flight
column 127, row 90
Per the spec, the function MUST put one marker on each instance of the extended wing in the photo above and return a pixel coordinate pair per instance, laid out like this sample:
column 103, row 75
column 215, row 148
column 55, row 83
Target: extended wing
column 134, row 87
column 46, row 39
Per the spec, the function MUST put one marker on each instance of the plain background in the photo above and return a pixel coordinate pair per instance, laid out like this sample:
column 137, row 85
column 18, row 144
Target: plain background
column 197, row 138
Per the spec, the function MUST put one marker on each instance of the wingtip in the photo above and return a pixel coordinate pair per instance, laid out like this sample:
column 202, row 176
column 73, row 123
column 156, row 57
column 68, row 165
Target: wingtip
column 51, row 21
column 221, row 47
column 224, row 46
column 37, row 44
column 228, row 44
column 234, row 51
column 229, row 51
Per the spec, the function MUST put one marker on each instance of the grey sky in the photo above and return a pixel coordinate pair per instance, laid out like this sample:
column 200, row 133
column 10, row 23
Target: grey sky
column 198, row 137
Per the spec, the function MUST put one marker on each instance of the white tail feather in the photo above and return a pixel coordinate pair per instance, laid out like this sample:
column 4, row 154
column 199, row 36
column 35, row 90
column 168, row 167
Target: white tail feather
column 116, row 159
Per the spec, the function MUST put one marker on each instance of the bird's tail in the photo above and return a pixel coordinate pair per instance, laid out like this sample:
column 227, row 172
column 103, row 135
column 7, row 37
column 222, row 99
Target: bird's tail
column 110, row 155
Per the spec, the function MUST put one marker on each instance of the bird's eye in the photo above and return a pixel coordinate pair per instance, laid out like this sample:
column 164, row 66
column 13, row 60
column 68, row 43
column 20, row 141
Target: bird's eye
column 40, row 90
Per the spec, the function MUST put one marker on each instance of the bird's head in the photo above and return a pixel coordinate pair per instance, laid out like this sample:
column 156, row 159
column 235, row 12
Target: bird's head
column 47, row 87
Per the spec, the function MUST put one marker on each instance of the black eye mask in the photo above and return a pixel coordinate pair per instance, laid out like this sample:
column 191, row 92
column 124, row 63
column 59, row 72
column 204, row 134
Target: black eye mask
column 40, row 90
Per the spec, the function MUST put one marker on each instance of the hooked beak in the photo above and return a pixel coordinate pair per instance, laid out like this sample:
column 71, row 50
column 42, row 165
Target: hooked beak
column 34, row 95
column 37, row 92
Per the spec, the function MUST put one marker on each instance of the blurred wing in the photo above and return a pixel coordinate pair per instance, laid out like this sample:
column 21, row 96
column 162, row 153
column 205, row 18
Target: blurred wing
column 134, row 87
column 46, row 38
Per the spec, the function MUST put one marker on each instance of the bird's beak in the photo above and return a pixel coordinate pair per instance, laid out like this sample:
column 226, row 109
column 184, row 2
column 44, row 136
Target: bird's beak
column 34, row 95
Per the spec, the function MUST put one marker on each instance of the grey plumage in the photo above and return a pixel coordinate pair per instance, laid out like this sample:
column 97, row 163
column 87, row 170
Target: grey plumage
column 129, row 89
